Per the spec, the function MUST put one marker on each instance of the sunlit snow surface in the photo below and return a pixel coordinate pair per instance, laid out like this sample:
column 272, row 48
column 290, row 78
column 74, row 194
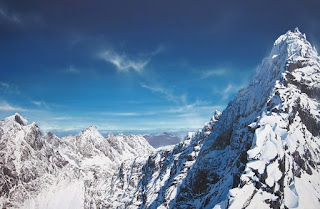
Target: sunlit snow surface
column 64, row 194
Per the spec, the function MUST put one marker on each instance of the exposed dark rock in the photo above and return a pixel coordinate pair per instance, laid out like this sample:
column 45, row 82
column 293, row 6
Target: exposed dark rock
column 307, row 119
column 236, row 180
column 301, row 162
column 222, row 140
column 313, row 92
column 200, row 182
column 19, row 120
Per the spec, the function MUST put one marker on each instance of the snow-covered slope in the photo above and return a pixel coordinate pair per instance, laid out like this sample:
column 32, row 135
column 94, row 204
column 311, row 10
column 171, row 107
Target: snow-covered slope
column 27, row 161
column 37, row 171
column 156, row 180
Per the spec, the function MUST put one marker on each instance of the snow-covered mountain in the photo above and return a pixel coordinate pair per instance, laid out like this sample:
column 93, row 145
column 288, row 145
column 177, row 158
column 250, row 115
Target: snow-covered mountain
column 261, row 152
column 163, row 139
column 51, row 172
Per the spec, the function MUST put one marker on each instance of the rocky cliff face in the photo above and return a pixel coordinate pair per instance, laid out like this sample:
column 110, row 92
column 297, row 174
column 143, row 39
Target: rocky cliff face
column 261, row 152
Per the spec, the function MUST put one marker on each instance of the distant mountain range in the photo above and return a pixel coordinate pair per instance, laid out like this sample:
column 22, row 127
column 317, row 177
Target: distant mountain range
column 262, row 151
column 163, row 139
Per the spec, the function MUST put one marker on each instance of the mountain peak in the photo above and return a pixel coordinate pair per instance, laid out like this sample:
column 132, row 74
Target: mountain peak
column 292, row 45
column 16, row 118
column 289, row 48
column 92, row 128
column 21, row 120
column 110, row 135
column 296, row 30
column 90, row 131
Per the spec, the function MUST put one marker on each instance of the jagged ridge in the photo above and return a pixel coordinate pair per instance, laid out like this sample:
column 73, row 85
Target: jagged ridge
column 36, row 169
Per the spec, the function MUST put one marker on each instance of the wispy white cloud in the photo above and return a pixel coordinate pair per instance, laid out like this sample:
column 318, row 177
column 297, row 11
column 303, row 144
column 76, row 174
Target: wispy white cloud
column 158, row 50
column 210, row 73
column 122, row 114
column 127, row 114
column 122, row 62
column 7, row 88
column 187, row 115
column 71, row 69
column 188, row 107
column 5, row 85
column 193, row 115
column 5, row 106
column 167, row 92
column 9, row 17
column 228, row 91
column 196, row 107
column 40, row 104
column 19, row 19
column 62, row 118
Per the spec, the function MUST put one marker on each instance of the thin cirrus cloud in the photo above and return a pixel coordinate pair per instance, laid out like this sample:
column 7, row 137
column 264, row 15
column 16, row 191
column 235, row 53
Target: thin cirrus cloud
column 9, row 17
column 228, row 90
column 215, row 72
column 125, row 63
column 121, row 114
column 40, row 104
column 128, row 114
column 161, row 48
column 72, row 70
column 6, row 88
column 6, row 107
column 5, row 85
column 122, row 62
column 167, row 93
column 198, row 105
column 19, row 19
column 62, row 118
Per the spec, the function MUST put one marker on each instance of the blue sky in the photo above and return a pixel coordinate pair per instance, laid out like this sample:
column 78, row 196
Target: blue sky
column 136, row 66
